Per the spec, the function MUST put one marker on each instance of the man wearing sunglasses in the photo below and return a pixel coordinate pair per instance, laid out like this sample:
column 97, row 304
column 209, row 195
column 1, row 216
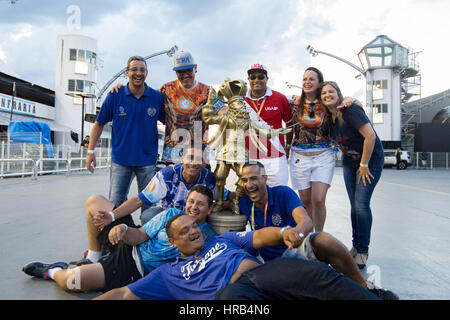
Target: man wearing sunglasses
column 183, row 101
column 270, row 108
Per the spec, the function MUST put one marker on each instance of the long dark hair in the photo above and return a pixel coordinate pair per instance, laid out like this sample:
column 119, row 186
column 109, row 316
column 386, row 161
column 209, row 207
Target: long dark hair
column 320, row 77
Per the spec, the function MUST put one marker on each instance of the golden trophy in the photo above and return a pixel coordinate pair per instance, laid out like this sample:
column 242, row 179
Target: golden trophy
column 229, row 139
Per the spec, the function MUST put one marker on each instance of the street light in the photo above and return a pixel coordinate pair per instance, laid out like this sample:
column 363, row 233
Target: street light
column 83, row 96
column 366, row 74
column 169, row 52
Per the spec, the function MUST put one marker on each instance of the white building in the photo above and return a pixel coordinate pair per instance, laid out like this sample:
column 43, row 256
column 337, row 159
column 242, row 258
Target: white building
column 76, row 73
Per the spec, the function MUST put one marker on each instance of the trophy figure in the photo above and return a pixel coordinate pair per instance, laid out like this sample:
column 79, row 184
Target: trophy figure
column 229, row 139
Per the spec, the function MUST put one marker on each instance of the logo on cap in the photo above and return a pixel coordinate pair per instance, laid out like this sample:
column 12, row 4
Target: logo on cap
column 183, row 60
column 257, row 67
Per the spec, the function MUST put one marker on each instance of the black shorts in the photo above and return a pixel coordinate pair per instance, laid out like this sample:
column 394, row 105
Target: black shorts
column 117, row 261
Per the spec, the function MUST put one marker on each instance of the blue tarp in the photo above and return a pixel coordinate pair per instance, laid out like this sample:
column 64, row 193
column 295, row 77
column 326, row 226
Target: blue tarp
column 22, row 131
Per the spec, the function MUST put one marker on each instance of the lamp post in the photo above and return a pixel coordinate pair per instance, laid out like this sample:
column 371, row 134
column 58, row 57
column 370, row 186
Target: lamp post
column 83, row 96
column 366, row 74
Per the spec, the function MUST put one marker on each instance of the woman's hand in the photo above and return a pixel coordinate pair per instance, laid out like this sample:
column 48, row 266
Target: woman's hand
column 364, row 175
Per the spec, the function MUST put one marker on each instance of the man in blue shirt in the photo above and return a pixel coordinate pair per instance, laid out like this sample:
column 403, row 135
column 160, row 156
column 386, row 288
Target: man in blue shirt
column 134, row 111
column 141, row 250
column 281, row 207
column 205, row 270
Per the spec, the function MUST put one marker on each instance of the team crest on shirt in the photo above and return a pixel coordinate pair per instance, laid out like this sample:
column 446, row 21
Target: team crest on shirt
column 184, row 105
column 122, row 111
column 276, row 219
column 151, row 111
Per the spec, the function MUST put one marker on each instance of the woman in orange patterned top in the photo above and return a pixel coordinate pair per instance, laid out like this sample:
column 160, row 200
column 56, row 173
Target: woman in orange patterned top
column 312, row 158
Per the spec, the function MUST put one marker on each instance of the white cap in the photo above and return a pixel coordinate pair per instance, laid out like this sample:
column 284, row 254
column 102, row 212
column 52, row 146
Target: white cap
column 183, row 60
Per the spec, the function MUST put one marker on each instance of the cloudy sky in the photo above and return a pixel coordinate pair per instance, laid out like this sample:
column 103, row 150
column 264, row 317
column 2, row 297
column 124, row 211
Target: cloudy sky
column 225, row 37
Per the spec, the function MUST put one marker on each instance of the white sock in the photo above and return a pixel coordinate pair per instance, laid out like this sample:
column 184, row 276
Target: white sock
column 94, row 256
column 51, row 272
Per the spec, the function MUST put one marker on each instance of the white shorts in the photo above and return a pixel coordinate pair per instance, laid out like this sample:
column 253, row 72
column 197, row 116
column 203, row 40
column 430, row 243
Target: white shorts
column 277, row 171
column 307, row 169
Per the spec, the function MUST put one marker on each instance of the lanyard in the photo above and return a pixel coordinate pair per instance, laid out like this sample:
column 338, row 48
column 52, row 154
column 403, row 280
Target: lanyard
column 260, row 107
column 253, row 215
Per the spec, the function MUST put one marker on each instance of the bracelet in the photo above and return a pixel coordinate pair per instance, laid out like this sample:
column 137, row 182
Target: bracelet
column 283, row 230
column 363, row 165
column 112, row 216
column 91, row 151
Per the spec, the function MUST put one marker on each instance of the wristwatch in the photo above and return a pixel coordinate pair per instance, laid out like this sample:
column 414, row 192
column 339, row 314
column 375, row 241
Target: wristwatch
column 284, row 229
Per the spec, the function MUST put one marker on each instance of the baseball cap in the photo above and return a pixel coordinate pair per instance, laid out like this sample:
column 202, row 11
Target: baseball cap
column 257, row 67
column 183, row 60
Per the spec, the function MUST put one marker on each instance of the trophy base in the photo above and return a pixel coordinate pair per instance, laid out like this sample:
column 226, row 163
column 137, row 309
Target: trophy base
column 227, row 221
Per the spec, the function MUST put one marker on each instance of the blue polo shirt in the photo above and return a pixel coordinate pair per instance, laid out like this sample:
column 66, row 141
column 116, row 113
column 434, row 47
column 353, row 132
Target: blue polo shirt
column 198, row 277
column 134, row 135
column 282, row 201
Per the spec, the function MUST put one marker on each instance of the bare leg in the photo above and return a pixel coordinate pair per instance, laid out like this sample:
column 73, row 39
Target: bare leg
column 305, row 196
column 84, row 278
column 94, row 204
column 319, row 212
column 330, row 250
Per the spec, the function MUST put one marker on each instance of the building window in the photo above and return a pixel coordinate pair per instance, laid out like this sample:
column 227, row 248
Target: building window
column 73, row 54
column 81, row 86
column 380, row 108
column 71, row 85
column 82, row 55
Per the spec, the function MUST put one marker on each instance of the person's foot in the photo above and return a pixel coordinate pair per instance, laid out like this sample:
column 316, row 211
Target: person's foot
column 381, row 293
column 40, row 269
column 81, row 262
column 361, row 260
column 353, row 252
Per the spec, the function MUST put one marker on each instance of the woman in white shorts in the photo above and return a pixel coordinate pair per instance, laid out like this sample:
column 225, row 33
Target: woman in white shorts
column 312, row 159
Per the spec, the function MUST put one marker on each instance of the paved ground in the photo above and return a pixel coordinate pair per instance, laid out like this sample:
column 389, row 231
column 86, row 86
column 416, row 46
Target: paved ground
column 43, row 219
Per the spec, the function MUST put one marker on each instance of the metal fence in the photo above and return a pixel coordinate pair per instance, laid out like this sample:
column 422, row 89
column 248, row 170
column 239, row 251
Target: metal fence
column 30, row 159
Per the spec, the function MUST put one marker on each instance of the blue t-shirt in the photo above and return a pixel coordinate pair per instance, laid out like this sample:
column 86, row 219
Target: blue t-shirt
column 282, row 201
column 157, row 250
column 169, row 186
column 134, row 136
column 349, row 139
column 198, row 277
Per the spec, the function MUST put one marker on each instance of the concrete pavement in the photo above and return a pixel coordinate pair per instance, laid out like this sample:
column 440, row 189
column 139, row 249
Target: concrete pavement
column 43, row 220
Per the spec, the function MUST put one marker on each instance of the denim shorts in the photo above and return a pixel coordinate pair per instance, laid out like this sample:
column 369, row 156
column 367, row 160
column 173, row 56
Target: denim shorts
column 304, row 251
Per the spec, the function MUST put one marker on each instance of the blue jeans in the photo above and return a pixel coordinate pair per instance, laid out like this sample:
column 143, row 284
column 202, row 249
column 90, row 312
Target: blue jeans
column 121, row 178
column 360, row 195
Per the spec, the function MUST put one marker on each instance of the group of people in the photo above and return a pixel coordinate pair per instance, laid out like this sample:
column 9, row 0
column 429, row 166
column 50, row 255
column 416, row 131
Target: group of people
column 176, row 254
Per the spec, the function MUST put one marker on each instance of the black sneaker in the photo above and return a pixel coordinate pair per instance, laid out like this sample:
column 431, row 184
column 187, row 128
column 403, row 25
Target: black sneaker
column 40, row 269
column 384, row 294
column 381, row 293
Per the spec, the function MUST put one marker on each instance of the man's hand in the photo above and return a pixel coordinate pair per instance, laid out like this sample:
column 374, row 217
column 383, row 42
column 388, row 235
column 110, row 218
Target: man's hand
column 117, row 233
column 91, row 162
column 102, row 219
column 292, row 239
column 116, row 88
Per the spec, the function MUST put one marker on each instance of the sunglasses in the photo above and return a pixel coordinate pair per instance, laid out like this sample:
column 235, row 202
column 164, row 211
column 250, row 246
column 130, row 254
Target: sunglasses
column 312, row 114
column 260, row 77
column 186, row 71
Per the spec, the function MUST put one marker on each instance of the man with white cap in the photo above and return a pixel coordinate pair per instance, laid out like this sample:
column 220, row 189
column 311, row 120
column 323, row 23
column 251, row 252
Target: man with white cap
column 183, row 101
column 270, row 108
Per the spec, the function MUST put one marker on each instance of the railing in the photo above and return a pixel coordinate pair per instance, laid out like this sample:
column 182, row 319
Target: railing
column 23, row 159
